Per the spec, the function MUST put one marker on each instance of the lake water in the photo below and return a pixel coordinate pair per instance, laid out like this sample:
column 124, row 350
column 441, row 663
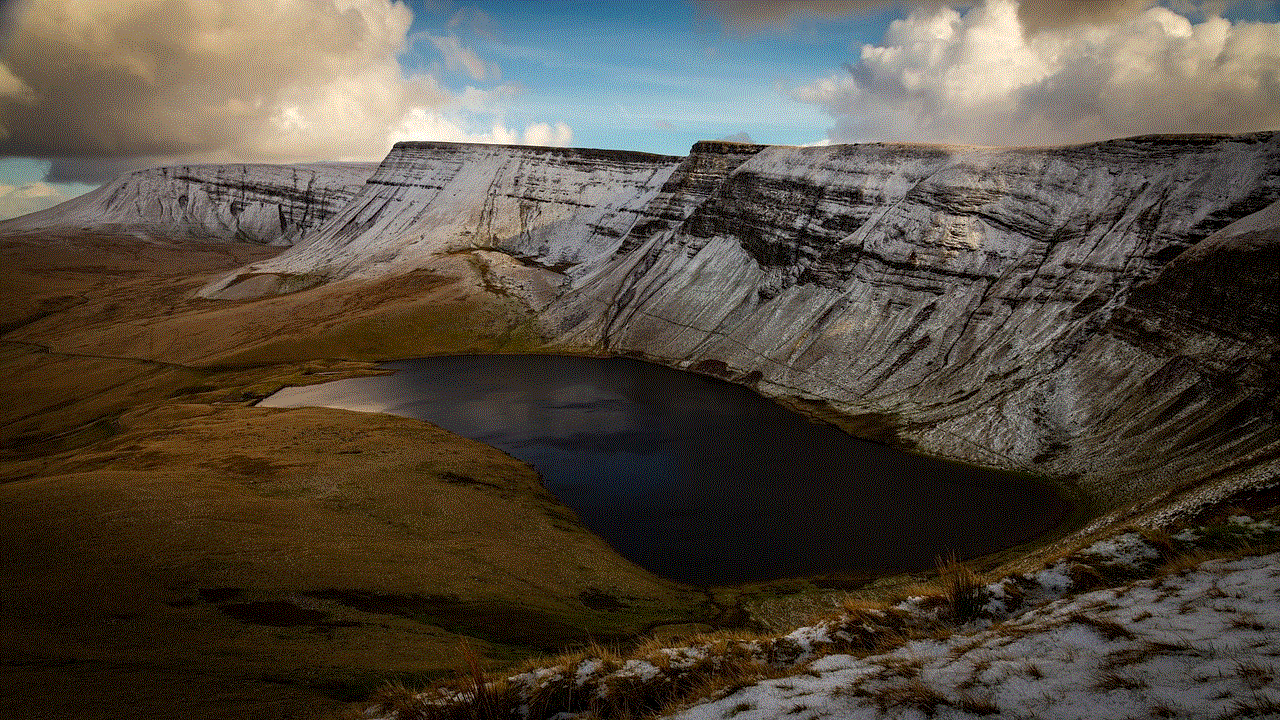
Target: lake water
column 701, row 480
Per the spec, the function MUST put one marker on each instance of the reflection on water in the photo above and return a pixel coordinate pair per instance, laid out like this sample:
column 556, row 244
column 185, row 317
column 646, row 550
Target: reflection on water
column 700, row 480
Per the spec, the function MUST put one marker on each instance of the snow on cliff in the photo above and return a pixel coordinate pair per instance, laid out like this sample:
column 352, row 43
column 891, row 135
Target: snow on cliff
column 1003, row 306
column 554, row 206
column 961, row 300
column 271, row 204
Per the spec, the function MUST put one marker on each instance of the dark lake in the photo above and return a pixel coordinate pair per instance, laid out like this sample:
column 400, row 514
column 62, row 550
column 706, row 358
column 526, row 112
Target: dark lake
column 701, row 480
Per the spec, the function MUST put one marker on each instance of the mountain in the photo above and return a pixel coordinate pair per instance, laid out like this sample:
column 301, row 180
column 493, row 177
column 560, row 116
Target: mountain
column 554, row 206
column 269, row 204
column 1104, row 313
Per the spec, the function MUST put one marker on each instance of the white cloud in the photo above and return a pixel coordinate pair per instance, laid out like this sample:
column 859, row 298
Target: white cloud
column 943, row 76
column 12, row 87
column 422, row 124
column 543, row 134
column 98, row 87
column 457, row 57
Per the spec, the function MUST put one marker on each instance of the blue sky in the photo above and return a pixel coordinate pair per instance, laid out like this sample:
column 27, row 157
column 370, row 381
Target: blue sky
column 655, row 77
column 90, row 89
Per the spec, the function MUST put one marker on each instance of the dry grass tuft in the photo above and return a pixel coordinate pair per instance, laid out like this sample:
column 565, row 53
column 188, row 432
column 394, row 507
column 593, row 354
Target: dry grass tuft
column 862, row 607
column 1109, row 681
column 487, row 699
column 914, row 695
column 900, row 667
column 977, row 706
column 397, row 700
column 1161, row 540
column 1187, row 561
column 1086, row 577
column 1106, row 628
column 964, row 592
column 715, row 678
column 1130, row 656
column 474, row 696
column 1255, row 675
column 1257, row 706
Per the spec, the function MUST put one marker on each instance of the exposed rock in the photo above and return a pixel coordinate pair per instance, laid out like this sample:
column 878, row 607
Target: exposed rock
column 269, row 204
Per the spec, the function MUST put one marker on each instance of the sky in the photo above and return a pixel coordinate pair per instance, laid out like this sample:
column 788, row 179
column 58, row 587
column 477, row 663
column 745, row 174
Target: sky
column 92, row 88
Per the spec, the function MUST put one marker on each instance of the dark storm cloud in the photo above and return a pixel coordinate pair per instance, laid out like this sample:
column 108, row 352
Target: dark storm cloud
column 99, row 87
column 747, row 15
column 1037, row 15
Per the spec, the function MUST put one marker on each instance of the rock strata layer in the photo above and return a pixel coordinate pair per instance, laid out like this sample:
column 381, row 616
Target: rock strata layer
column 268, row 204
column 1007, row 307
column 550, row 207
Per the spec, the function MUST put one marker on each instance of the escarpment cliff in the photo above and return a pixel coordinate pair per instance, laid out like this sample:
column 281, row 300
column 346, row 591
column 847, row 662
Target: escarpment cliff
column 1008, row 307
column 1103, row 313
column 270, row 204
column 551, row 207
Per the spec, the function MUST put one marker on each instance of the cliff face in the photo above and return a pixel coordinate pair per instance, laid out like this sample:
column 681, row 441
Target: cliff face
column 548, row 206
column 270, row 204
column 1008, row 307
column 1104, row 312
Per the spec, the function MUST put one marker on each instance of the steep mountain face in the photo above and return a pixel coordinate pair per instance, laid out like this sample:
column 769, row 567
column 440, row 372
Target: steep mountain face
column 1104, row 313
column 975, row 302
column 552, row 207
column 270, row 204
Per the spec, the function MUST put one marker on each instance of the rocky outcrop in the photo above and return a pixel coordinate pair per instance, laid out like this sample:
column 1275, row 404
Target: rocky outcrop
column 1104, row 313
column 269, row 204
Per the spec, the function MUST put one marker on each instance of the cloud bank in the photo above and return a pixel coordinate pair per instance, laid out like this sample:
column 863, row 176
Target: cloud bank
column 100, row 87
column 1036, row 15
column 980, row 77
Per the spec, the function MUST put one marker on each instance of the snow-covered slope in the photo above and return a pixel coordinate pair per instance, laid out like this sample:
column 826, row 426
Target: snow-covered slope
column 1169, row 636
column 552, row 206
column 1013, row 307
column 276, row 204
column 1198, row 646
column 961, row 300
